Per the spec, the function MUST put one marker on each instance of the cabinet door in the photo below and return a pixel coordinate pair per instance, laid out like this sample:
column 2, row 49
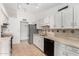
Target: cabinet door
column 36, row 40
column 51, row 22
column 70, row 53
column 47, row 20
column 59, row 49
column 76, row 16
column 67, row 18
column 38, row 24
column 57, row 21
column 41, row 43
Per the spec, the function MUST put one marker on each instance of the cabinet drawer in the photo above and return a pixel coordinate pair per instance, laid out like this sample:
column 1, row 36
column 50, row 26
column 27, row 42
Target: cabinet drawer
column 5, row 54
column 73, row 49
column 72, row 54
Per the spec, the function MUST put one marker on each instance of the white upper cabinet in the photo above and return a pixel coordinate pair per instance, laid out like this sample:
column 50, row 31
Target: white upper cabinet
column 57, row 20
column 76, row 16
column 67, row 18
column 51, row 22
column 38, row 24
column 3, row 17
column 46, row 21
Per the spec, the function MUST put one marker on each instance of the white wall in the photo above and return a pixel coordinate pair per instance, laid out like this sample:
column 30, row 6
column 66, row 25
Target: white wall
column 14, row 24
column 48, row 13
column 3, row 16
column 14, row 28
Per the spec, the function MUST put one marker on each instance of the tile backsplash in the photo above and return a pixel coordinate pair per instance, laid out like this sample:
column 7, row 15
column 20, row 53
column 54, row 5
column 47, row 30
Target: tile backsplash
column 66, row 33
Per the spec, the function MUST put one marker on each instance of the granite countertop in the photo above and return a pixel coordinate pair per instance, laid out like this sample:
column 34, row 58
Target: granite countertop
column 6, row 36
column 4, row 39
column 65, row 40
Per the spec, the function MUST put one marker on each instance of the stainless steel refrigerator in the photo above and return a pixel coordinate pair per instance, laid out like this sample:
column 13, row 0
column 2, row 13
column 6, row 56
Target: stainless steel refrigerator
column 32, row 30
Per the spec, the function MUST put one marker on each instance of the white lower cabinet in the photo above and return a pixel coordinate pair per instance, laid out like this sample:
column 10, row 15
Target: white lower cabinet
column 65, row 50
column 5, row 48
column 39, row 42
column 59, row 49
column 4, row 54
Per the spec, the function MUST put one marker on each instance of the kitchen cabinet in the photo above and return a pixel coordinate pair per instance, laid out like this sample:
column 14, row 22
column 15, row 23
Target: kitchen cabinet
column 3, row 17
column 76, row 16
column 38, row 24
column 65, row 50
column 57, row 21
column 64, row 18
column 5, row 47
column 59, row 49
column 46, row 20
column 67, row 18
column 51, row 22
column 39, row 41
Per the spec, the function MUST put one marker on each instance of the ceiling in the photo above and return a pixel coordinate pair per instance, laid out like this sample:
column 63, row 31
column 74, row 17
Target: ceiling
column 33, row 8
column 11, row 9
column 36, row 7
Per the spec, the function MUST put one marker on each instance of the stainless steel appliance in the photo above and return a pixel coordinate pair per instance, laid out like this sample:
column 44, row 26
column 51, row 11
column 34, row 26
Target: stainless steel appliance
column 32, row 30
column 48, row 47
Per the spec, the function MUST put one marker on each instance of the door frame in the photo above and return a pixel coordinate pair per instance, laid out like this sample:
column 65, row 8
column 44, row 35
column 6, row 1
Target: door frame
column 20, row 27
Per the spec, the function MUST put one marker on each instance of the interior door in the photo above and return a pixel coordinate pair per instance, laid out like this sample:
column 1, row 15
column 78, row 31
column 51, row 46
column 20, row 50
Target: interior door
column 24, row 31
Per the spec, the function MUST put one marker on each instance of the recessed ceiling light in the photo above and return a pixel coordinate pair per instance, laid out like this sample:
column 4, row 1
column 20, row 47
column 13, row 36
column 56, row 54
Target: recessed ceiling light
column 27, row 3
column 19, row 6
column 37, row 6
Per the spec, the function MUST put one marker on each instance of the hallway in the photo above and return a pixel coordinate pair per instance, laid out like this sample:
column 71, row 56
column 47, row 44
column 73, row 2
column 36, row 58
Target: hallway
column 24, row 49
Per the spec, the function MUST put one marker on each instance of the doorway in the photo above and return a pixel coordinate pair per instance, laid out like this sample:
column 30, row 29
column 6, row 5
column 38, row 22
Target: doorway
column 24, row 31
